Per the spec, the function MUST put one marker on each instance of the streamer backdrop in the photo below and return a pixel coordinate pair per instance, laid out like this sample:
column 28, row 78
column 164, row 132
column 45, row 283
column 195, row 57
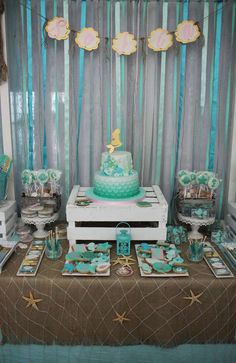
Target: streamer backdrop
column 174, row 108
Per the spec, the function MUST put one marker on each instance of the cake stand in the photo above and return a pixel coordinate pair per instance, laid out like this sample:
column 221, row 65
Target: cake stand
column 40, row 223
column 195, row 224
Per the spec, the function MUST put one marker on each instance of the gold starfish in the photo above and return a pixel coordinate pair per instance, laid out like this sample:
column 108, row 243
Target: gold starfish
column 120, row 318
column 32, row 301
column 117, row 260
column 194, row 298
column 126, row 260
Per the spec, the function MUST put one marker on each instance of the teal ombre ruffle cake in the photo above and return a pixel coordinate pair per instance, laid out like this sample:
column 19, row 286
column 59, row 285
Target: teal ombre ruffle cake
column 116, row 187
column 116, row 178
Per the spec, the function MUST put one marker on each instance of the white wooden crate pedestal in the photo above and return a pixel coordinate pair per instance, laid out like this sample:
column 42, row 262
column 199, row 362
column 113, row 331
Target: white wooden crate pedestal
column 85, row 223
column 8, row 219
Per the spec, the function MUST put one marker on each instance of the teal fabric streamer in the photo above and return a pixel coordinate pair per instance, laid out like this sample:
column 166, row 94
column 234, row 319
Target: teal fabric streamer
column 214, row 105
column 174, row 112
column 204, row 67
column 204, row 55
column 44, row 78
column 123, row 66
column 182, row 84
column 141, row 87
column 108, row 6
column 56, row 92
column 24, row 84
column 118, row 79
column 30, row 163
column 162, row 100
column 66, row 107
column 227, row 110
column 81, row 83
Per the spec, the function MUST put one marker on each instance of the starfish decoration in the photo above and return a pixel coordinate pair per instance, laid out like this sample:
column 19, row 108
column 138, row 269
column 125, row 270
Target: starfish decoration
column 124, row 261
column 194, row 298
column 120, row 318
column 32, row 301
column 117, row 261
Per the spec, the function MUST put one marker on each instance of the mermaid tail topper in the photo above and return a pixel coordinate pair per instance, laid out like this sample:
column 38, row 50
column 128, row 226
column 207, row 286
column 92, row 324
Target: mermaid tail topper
column 115, row 141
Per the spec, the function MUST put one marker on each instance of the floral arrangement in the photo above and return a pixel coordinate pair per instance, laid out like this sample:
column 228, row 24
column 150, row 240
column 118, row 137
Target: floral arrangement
column 44, row 183
column 196, row 185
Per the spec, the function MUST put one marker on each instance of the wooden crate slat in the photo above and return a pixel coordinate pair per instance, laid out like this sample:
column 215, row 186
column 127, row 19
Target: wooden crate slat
column 6, row 227
column 109, row 233
column 7, row 210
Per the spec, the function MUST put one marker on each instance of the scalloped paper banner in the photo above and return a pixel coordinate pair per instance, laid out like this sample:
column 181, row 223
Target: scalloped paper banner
column 58, row 28
column 187, row 32
column 124, row 44
column 160, row 40
column 88, row 39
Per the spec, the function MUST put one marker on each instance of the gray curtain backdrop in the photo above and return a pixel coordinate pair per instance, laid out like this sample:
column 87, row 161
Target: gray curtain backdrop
column 140, row 97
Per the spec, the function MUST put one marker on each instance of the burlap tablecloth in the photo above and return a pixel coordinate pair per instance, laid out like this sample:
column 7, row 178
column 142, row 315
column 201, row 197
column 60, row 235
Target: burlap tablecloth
column 80, row 310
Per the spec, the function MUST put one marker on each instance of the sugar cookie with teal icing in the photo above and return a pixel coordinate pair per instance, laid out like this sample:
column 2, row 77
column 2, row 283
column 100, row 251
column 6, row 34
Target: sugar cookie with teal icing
column 85, row 268
column 145, row 268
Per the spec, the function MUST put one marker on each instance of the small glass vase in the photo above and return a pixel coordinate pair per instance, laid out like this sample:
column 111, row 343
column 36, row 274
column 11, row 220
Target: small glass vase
column 195, row 252
column 53, row 249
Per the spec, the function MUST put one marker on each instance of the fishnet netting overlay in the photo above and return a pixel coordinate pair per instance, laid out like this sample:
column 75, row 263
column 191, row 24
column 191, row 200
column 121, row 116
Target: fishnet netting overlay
column 80, row 310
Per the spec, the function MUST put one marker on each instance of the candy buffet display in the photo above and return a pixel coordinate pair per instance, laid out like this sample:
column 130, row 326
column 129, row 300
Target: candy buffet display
column 160, row 261
column 92, row 259
column 32, row 259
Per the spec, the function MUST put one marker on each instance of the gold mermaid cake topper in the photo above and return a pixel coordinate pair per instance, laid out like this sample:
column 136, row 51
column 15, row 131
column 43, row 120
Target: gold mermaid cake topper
column 115, row 141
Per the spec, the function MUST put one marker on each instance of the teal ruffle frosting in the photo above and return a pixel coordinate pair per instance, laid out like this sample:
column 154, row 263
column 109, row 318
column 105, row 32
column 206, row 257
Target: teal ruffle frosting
column 116, row 187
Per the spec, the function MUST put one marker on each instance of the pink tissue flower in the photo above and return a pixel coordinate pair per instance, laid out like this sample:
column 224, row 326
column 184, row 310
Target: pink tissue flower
column 124, row 43
column 187, row 32
column 88, row 39
column 58, row 28
column 160, row 40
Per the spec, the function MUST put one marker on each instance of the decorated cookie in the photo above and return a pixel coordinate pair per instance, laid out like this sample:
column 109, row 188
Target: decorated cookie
column 79, row 248
column 103, row 247
column 161, row 267
column 145, row 247
column 73, row 256
column 85, row 268
column 180, row 270
column 91, row 246
column 145, row 268
column 157, row 253
column 103, row 267
column 177, row 260
column 100, row 260
column 68, row 267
